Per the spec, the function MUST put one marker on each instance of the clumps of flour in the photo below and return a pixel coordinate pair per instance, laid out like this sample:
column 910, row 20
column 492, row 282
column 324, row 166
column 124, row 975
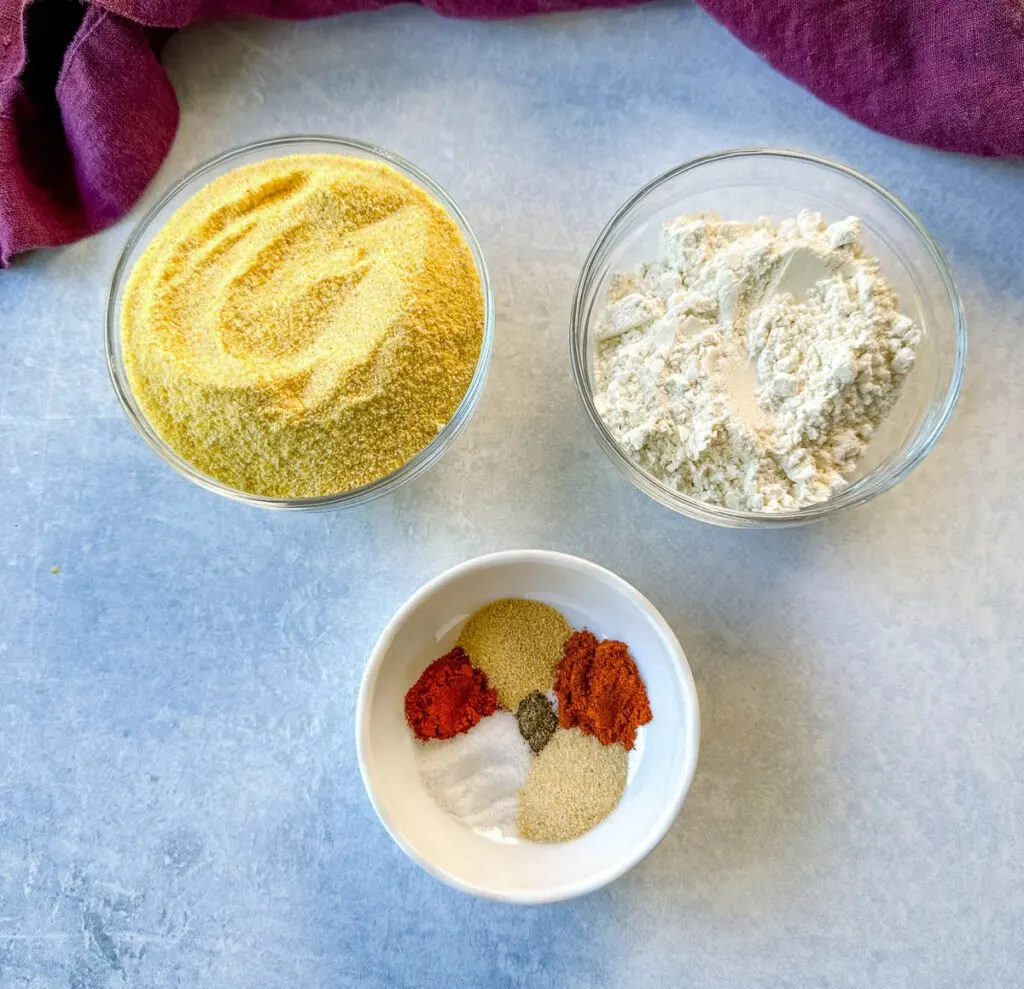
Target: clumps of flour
column 750, row 365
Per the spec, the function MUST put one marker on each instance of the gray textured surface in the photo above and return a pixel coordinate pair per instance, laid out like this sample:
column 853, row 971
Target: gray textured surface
column 179, row 799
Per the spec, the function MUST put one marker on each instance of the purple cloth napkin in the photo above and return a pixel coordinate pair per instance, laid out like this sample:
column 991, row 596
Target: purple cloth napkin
column 87, row 113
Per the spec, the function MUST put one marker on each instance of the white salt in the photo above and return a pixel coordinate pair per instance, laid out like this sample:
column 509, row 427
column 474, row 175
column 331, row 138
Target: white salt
column 476, row 776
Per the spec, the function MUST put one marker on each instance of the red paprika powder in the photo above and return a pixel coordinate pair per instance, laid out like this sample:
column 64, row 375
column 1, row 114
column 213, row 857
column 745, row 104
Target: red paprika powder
column 600, row 691
column 450, row 697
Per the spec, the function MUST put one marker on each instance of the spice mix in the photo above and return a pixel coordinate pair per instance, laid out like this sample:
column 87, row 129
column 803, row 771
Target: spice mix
column 492, row 749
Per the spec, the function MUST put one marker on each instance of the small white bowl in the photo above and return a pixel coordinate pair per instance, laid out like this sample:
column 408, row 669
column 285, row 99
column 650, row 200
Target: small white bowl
column 661, row 765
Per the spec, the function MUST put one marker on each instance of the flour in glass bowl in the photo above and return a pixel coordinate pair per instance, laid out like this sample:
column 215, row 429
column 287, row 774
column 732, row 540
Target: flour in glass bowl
column 749, row 366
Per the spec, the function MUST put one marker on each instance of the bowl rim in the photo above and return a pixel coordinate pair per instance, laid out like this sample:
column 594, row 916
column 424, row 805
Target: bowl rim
column 860, row 491
column 684, row 678
column 422, row 460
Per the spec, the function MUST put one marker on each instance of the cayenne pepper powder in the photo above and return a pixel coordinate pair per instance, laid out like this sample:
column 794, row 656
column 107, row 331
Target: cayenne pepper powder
column 450, row 697
column 600, row 691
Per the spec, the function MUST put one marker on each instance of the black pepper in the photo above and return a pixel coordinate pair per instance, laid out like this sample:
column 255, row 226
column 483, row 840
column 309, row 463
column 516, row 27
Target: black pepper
column 537, row 720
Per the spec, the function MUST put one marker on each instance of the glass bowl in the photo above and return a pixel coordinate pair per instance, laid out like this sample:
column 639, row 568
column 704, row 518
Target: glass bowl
column 743, row 185
column 184, row 189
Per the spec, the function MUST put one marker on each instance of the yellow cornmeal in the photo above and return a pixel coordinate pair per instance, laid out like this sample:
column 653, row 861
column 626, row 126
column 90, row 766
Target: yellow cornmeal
column 303, row 325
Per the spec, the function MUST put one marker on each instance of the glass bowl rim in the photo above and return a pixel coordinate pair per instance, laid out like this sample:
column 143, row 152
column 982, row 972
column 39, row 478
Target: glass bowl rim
column 413, row 467
column 861, row 490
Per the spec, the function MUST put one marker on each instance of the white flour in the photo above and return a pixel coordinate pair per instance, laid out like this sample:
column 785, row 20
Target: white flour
column 750, row 365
